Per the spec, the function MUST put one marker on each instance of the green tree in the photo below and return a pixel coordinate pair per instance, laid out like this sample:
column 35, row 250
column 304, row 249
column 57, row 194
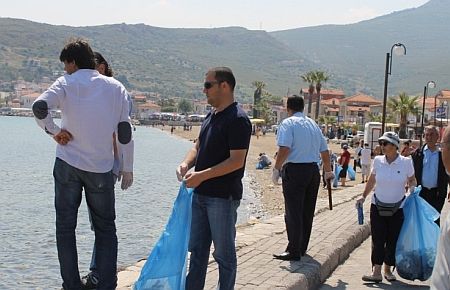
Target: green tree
column 257, row 95
column 374, row 117
column 308, row 78
column 319, row 77
column 184, row 106
column 403, row 105
column 264, row 108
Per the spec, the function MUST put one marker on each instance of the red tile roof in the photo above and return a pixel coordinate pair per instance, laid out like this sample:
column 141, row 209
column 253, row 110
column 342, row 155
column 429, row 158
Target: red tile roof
column 362, row 98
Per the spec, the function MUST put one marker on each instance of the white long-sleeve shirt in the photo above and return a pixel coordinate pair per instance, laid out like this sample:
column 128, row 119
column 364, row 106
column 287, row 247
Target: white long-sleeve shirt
column 92, row 106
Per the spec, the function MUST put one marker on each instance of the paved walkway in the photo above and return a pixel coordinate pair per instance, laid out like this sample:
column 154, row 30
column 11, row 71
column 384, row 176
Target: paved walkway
column 348, row 275
column 335, row 234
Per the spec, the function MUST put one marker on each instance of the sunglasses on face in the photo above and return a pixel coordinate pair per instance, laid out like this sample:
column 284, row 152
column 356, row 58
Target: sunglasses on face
column 208, row 85
column 383, row 143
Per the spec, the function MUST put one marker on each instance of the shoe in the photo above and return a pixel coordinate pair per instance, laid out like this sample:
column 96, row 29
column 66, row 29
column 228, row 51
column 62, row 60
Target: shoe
column 286, row 256
column 89, row 281
column 372, row 278
column 390, row 277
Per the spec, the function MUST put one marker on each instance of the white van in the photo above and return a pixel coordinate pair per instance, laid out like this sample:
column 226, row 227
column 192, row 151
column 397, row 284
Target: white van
column 372, row 131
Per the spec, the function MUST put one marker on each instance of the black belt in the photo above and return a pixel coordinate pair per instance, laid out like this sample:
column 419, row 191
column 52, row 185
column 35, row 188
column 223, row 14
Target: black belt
column 304, row 163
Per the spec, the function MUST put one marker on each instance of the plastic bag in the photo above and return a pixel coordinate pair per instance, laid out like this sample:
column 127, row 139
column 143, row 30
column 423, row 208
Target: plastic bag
column 417, row 242
column 337, row 170
column 351, row 173
column 165, row 268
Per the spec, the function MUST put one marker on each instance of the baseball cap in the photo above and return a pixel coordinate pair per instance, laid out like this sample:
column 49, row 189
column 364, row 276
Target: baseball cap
column 391, row 137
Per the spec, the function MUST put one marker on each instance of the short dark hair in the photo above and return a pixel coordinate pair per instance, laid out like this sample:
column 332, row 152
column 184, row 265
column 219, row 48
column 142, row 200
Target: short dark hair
column 295, row 103
column 99, row 59
column 224, row 74
column 79, row 51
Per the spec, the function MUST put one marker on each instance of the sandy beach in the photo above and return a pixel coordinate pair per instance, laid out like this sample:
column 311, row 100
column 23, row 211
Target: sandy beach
column 271, row 196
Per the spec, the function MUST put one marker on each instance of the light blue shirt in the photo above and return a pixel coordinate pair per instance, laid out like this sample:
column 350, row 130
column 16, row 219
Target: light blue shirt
column 430, row 167
column 303, row 137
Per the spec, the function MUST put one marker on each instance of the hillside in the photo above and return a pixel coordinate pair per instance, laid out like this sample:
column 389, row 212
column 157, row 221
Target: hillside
column 168, row 61
column 356, row 53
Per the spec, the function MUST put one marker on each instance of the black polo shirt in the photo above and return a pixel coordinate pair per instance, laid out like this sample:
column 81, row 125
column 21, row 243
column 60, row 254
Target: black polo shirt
column 221, row 132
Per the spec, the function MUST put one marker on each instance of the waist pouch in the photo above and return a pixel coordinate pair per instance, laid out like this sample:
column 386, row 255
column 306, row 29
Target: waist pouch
column 387, row 209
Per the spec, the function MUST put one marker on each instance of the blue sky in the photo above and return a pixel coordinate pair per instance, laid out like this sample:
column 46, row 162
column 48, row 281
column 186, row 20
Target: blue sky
column 268, row 15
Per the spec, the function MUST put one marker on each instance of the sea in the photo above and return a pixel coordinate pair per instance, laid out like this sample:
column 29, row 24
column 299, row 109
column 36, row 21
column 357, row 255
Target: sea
column 28, row 257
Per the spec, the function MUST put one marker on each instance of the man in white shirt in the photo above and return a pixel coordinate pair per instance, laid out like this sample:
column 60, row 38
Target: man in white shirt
column 93, row 107
column 366, row 160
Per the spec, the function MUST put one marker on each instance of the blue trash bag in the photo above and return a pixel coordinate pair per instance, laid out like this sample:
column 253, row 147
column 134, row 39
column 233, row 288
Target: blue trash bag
column 165, row 268
column 351, row 173
column 337, row 170
column 417, row 242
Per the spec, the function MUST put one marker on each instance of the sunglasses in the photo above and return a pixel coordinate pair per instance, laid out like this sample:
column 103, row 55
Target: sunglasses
column 208, row 85
column 383, row 143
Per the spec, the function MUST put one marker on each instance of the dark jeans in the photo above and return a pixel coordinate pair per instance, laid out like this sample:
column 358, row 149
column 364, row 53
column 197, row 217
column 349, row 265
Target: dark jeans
column 300, row 187
column 213, row 219
column 385, row 232
column 434, row 199
column 99, row 191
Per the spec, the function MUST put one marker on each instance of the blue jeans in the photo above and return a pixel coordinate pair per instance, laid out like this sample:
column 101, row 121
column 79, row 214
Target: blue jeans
column 99, row 191
column 213, row 219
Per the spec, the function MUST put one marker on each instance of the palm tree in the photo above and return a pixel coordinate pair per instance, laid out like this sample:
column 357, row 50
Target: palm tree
column 403, row 105
column 374, row 117
column 319, row 77
column 308, row 78
column 259, row 86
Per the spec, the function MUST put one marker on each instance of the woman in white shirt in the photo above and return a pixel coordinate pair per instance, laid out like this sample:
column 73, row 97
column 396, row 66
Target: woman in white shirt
column 390, row 174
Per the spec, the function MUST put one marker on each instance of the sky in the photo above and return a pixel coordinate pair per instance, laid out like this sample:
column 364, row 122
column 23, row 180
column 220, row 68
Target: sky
column 269, row 15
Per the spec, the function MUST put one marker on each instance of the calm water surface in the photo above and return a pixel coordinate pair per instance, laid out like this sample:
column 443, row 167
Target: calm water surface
column 28, row 258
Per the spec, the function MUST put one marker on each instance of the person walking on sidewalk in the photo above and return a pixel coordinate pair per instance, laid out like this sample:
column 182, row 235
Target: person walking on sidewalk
column 300, row 146
column 390, row 173
column 430, row 171
column 366, row 161
column 344, row 160
column 219, row 158
column 92, row 108
column 357, row 159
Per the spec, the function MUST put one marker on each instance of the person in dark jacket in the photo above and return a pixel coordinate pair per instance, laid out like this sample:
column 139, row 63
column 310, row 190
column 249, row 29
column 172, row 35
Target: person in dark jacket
column 430, row 171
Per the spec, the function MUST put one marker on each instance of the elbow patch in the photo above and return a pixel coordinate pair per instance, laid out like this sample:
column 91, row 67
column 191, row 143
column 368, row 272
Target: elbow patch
column 40, row 109
column 124, row 132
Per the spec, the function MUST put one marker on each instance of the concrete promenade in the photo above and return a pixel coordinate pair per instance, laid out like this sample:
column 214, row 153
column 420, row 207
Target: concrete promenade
column 348, row 275
column 335, row 234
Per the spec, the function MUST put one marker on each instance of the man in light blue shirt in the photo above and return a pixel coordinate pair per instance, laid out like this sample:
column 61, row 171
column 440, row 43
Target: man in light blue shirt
column 301, row 145
column 429, row 170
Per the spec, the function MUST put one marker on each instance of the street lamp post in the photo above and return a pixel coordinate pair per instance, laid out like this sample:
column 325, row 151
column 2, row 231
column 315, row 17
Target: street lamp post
column 444, row 104
column 431, row 85
column 399, row 49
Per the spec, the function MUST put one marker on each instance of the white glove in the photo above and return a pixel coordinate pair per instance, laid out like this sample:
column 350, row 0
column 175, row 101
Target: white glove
column 329, row 175
column 275, row 176
column 360, row 202
column 181, row 171
column 127, row 179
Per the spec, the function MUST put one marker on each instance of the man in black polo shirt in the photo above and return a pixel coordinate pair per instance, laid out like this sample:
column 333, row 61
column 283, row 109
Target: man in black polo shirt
column 219, row 158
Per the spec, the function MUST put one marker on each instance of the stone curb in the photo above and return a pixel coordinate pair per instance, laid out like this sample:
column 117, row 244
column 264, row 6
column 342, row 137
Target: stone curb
column 311, row 272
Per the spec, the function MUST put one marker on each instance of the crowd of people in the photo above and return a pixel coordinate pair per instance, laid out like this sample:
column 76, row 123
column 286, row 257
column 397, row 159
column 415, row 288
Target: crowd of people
column 95, row 149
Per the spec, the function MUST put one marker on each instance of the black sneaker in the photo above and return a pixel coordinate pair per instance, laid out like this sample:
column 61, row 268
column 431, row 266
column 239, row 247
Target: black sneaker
column 89, row 281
